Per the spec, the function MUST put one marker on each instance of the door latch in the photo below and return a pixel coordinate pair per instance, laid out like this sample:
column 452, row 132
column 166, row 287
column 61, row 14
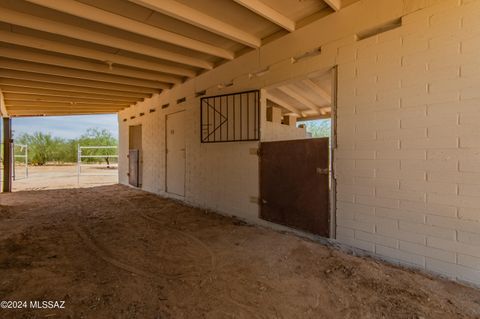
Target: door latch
column 323, row 171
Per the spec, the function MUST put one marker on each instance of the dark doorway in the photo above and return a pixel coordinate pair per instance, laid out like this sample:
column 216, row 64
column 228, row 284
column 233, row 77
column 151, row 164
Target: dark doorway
column 135, row 155
column 294, row 184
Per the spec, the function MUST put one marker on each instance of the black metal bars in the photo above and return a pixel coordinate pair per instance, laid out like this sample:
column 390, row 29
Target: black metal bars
column 231, row 117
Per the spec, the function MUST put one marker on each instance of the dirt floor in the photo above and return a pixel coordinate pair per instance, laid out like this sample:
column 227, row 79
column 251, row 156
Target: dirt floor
column 116, row 252
column 63, row 176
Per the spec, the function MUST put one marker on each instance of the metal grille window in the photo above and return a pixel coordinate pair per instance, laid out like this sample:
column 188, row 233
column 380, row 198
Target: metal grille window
column 230, row 117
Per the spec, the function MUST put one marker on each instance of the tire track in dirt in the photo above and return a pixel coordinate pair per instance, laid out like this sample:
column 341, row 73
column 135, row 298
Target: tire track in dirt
column 187, row 235
column 90, row 243
column 248, row 309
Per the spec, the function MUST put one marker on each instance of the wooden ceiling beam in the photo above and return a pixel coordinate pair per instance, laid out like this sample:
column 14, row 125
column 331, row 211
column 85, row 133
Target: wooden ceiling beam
column 7, row 89
column 29, row 84
column 74, row 32
column 283, row 104
column 64, row 111
column 199, row 19
column 3, row 109
column 21, row 75
column 40, row 111
column 57, row 113
column 78, row 74
column 36, row 57
column 64, row 99
column 35, row 107
column 334, row 4
column 296, row 96
column 104, row 57
column 59, row 106
column 85, row 11
column 268, row 13
column 319, row 90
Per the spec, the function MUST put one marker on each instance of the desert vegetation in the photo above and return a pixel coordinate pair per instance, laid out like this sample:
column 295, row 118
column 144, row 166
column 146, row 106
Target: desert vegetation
column 44, row 148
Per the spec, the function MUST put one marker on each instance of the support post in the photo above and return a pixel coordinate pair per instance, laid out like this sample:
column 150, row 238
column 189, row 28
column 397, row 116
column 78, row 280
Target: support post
column 79, row 163
column 14, row 158
column 7, row 155
column 26, row 161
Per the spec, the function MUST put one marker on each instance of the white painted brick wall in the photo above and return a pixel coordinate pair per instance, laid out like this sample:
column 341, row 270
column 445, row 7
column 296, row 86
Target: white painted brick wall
column 277, row 132
column 424, row 143
column 407, row 163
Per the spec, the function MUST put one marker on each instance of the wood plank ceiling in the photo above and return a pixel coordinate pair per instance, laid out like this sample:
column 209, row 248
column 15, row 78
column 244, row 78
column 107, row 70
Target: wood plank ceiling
column 61, row 57
column 309, row 98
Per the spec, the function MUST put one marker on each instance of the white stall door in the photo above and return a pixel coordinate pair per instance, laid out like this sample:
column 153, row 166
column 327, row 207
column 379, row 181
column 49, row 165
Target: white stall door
column 176, row 154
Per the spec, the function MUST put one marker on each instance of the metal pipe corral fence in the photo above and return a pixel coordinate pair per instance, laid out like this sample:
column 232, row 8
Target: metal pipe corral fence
column 81, row 155
column 24, row 155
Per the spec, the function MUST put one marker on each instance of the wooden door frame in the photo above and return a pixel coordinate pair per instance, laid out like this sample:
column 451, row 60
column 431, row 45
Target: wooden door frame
column 333, row 147
column 166, row 160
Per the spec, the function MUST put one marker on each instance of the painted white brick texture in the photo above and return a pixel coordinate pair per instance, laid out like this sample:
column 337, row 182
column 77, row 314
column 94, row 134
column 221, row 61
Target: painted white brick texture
column 408, row 158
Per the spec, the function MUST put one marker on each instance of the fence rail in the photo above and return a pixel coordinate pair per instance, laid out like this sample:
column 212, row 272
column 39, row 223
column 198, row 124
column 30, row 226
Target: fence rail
column 23, row 155
column 81, row 155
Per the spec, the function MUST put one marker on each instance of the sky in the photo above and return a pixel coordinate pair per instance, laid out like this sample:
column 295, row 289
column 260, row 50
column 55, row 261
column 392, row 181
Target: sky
column 68, row 127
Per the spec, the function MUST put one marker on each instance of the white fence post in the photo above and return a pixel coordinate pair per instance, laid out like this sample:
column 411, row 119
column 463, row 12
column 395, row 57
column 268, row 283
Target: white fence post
column 79, row 163
column 26, row 161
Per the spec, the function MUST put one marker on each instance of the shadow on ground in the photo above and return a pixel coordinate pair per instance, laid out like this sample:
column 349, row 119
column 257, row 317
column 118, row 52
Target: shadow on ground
column 116, row 252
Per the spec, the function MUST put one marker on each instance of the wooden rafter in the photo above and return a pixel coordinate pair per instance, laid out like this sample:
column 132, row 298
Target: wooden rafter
column 296, row 96
column 29, row 84
column 107, row 58
column 56, row 62
column 324, row 94
column 199, row 19
column 59, row 113
column 101, row 16
column 53, row 105
column 49, row 59
column 65, row 110
column 268, row 13
column 334, row 4
column 21, row 75
column 78, row 74
column 65, row 99
column 34, row 92
column 74, row 32
column 283, row 104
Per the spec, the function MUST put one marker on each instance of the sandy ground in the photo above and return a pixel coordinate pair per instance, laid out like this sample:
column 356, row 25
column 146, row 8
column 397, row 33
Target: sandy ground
column 63, row 176
column 116, row 252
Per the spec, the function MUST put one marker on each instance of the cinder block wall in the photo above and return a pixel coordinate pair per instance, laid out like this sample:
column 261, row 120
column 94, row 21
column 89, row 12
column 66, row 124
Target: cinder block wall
column 221, row 177
column 407, row 162
column 409, row 158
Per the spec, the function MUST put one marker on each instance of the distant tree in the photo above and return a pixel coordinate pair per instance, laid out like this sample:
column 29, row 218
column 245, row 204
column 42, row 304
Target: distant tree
column 97, row 137
column 318, row 128
column 68, row 151
column 42, row 147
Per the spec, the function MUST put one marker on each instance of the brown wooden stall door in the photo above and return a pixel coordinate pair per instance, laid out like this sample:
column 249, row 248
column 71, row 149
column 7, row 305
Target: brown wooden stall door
column 294, row 184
